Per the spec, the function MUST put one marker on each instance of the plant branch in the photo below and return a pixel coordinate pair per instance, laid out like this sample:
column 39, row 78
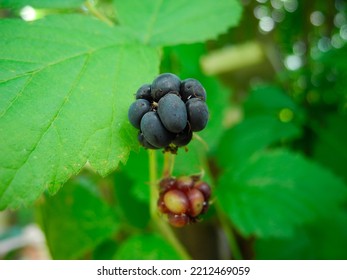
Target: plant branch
column 234, row 247
column 164, row 228
column 169, row 160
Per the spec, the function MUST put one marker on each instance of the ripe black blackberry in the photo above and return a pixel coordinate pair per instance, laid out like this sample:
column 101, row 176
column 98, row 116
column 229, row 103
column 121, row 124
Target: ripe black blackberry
column 168, row 111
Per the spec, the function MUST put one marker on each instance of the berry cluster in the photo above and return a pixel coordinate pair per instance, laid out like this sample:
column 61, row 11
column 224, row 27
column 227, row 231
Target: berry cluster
column 168, row 111
column 183, row 199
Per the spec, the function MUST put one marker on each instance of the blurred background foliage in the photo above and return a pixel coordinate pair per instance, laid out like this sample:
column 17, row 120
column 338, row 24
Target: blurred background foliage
column 276, row 156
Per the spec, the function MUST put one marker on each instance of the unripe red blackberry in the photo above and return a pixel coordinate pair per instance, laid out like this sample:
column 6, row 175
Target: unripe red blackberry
column 183, row 199
column 196, row 200
column 176, row 201
column 178, row 220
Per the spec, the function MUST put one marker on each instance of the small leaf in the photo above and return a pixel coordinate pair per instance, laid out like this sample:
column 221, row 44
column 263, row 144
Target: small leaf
column 66, row 83
column 76, row 219
column 272, row 101
column 146, row 247
column 164, row 22
column 253, row 134
column 277, row 191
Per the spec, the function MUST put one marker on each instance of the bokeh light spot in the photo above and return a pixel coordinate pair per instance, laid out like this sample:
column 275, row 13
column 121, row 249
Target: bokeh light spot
column 28, row 13
column 286, row 115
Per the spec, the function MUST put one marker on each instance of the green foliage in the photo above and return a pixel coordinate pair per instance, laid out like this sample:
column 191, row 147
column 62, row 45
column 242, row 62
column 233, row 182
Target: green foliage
column 324, row 239
column 60, row 83
column 239, row 143
column 133, row 210
column 164, row 22
column 58, row 114
column 273, row 150
column 272, row 101
column 76, row 219
column 276, row 191
column 330, row 148
column 146, row 247
column 263, row 126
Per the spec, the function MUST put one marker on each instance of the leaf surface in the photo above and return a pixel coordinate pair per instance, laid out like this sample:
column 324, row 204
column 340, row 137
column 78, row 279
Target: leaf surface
column 76, row 220
column 240, row 142
column 146, row 247
column 165, row 22
column 66, row 84
column 323, row 240
column 277, row 191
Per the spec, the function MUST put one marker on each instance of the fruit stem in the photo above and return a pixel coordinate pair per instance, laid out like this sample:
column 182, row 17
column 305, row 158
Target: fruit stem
column 164, row 228
column 202, row 141
column 169, row 161
column 228, row 230
column 93, row 10
column 153, row 182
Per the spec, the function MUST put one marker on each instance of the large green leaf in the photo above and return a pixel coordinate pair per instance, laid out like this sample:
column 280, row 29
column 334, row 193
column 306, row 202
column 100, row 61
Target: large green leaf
column 325, row 239
column 76, row 219
column 66, row 84
column 277, row 191
column 165, row 22
column 146, row 247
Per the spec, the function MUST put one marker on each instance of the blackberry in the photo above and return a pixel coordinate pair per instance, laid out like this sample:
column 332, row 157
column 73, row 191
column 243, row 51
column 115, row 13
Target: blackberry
column 183, row 200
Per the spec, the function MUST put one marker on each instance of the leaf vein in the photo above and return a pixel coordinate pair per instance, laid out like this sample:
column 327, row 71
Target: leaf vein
column 152, row 22
column 78, row 78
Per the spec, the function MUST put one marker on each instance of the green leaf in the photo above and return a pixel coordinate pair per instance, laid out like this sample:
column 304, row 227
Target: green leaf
column 330, row 147
column 67, row 83
column 138, row 161
column 165, row 22
column 105, row 250
column 323, row 240
column 76, row 219
column 191, row 161
column 146, row 247
column 239, row 143
column 272, row 101
column 134, row 211
column 53, row 4
column 277, row 191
